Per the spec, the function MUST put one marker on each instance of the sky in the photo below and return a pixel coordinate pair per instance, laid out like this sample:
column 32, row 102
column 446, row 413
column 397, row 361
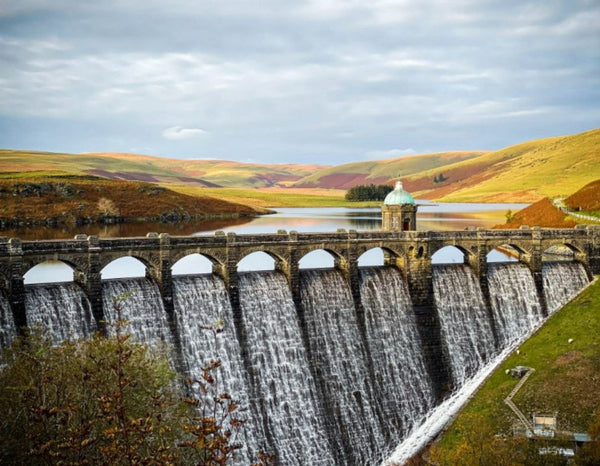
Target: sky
column 306, row 81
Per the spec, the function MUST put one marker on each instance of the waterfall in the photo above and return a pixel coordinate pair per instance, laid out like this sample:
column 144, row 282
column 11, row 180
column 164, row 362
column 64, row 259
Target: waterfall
column 142, row 308
column 7, row 323
column 562, row 280
column 201, row 302
column 288, row 399
column 464, row 320
column 401, row 377
column 339, row 359
column 61, row 308
column 514, row 300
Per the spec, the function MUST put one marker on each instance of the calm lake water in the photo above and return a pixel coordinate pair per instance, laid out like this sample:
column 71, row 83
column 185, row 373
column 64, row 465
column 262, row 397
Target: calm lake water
column 442, row 216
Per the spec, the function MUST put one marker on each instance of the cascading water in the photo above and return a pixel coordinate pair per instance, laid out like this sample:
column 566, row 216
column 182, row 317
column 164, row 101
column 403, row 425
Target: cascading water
column 464, row 321
column 61, row 308
column 514, row 301
column 402, row 380
column 142, row 308
column 202, row 306
column 288, row 398
column 339, row 360
column 7, row 323
column 562, row 280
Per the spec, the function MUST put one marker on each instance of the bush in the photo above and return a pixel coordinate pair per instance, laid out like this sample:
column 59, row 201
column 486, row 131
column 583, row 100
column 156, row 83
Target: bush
column 107, row 400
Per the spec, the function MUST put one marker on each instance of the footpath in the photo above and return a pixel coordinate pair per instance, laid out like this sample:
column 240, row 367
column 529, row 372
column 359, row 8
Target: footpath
column 559, row 204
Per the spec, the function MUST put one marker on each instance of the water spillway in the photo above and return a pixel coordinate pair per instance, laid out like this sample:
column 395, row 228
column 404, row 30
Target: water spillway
column 205, row 325
column 466, row 326
column 142, row 309
column 7, row 323
column 331, row 373
column 287, row 402
column 62, row 308
column 514, row 301
column 561, row 280
column 395, row 349
column 339, row 359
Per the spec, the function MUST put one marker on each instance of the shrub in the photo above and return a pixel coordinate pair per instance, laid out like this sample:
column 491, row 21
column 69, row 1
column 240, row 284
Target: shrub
column 106, row 400
column 107, row 207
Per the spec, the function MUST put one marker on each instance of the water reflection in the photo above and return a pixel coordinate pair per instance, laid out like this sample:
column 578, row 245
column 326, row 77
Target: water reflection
column 124, row 229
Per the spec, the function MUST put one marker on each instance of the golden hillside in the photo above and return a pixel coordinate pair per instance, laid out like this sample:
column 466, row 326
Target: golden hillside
column 525, row 172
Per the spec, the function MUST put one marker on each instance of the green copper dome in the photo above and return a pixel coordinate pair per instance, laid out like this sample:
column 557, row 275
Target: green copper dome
column 398, row 196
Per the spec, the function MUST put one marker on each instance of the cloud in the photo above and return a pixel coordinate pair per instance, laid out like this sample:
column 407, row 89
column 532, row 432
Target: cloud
column 318, row 80
column 178, row 133
column 389, row 154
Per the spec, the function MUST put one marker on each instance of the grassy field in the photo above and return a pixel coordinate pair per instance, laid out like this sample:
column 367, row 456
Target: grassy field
column 566, row 380
column 277, row 197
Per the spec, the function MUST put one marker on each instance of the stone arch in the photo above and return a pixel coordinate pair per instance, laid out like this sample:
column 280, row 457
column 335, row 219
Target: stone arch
column 259, row 261
column 218, row 260
column 184, row 264
column 131, row 272
column 374, row 256
column 562, row 251
column 314, row 260
column 450, row 254
column 512, row 252
column 57, row 270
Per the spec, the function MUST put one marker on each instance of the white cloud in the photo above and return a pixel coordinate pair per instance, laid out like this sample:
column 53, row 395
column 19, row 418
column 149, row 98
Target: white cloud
column 177, row 133
column 389, row 154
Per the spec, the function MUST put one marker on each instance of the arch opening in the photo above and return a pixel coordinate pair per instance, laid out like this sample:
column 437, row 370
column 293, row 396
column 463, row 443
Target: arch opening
column 124, row 267
column 504, row 253
column 448, row 255
column 559, row 252
column 256, row 261
column 317, row 259
column 372, row 258
column 192, row 264
column 54, row 271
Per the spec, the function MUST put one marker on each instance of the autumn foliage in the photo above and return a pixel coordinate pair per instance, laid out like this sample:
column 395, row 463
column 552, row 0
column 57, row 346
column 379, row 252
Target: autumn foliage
column 541, row 214
column 83, row 200
column 587, row 198
column 108, row 400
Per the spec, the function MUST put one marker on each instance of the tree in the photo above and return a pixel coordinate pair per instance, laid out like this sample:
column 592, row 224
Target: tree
column 107, row 400
column 107, row 207
column 509, row 216
column 590, row 453
column 369, row 192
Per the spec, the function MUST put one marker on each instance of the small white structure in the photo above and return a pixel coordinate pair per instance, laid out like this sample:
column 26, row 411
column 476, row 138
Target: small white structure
column 544, row 425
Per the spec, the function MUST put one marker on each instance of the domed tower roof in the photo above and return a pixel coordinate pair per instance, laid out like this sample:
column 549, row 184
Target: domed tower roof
column 398, row 196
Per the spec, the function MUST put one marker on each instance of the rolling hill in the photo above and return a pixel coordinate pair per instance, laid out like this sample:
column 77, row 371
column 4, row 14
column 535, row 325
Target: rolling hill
column 525, row 172
column 135, row 167
column 79, row 200
column 380, row 171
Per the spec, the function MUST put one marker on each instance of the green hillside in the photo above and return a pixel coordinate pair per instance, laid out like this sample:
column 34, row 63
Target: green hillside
column 525, row 172
column 565, row 354
column 380, row 171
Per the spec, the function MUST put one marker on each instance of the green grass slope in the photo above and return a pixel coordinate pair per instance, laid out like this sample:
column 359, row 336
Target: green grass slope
column 566, row 381
column 525, row 172
column 380, row 171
